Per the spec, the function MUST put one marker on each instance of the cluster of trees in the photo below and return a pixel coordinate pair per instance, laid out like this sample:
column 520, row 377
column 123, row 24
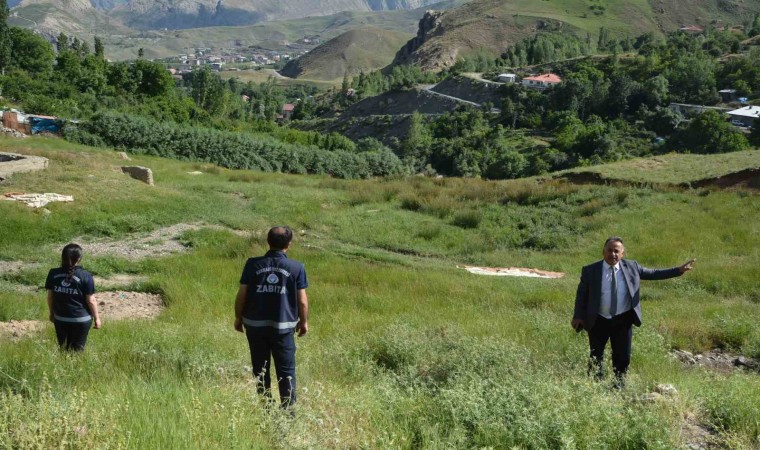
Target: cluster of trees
column 230, row 149
column 140, row 106
column 545, row 48
column 605, row 109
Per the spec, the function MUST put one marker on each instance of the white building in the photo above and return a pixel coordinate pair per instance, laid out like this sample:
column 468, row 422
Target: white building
column 747, row 115
column 507, row 77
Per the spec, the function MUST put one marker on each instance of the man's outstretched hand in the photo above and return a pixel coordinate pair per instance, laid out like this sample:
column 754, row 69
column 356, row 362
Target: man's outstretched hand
column 688, row 266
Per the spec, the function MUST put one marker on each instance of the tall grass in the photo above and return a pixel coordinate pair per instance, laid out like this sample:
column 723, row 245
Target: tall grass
column 405, row 351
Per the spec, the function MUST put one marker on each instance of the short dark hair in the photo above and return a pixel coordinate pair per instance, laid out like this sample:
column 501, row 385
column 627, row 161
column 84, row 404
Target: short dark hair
column 614, row 239
column 279, row 238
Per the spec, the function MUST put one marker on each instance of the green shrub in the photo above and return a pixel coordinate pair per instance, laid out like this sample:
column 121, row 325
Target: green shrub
column 467, row 219
column 429, row 231
column 411, row 203
column 234, row 150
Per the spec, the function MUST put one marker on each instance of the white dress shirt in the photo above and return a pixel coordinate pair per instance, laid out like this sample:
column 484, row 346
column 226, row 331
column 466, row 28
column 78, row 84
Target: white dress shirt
column 623, row 299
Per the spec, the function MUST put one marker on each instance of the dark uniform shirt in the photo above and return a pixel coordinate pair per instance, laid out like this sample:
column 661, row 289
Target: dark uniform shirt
column 70, row 296
column 273, row 282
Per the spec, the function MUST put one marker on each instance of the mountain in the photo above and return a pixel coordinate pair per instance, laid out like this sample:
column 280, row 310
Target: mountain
column 182, row 14
column 493, row 25
column 363, row 49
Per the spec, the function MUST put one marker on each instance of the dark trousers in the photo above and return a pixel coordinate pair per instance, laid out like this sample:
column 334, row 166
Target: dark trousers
column 72, row 336
column 282, row 348
column 619, row 331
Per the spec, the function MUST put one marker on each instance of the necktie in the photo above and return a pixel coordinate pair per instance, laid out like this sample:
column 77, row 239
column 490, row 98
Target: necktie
column 613, row 293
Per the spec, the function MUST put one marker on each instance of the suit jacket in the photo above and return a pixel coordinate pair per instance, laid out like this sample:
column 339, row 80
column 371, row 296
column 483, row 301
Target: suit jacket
column 589, row 295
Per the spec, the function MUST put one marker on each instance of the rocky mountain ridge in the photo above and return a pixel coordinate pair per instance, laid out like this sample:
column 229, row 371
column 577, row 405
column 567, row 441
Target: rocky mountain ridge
column 183, row 14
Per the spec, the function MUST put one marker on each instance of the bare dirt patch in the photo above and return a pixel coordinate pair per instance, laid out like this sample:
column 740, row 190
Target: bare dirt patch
column 19, row 328
column 161, row 242
column 513, row 272
column 749, row 179
column 15, row 266
column 112, row 306
column 11, row 163
column 123, row 305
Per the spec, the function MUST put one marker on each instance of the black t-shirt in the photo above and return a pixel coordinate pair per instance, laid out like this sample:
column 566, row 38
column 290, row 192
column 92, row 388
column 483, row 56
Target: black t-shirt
column 70, row 295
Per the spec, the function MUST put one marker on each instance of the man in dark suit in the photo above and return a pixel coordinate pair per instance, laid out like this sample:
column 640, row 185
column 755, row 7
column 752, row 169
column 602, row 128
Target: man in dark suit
column 607, row 304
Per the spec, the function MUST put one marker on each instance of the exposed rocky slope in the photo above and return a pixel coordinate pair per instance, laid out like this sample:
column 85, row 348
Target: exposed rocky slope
column 476, row 91
column 493, row 25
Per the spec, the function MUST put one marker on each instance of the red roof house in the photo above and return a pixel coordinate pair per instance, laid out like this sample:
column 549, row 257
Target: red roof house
column 541, row 81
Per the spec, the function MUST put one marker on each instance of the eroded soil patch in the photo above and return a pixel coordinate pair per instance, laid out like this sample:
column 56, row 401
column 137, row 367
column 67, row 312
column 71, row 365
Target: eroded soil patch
column 161, row 242
column 15, row 329
column 717, row 360
column 112, row 306
column 15, row 266
column 124, row 305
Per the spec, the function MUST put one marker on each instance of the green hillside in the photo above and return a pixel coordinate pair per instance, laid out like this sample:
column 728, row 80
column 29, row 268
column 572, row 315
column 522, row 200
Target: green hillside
column 405, row 350
column 360, row 50
column 675, row 169
column 494, row 25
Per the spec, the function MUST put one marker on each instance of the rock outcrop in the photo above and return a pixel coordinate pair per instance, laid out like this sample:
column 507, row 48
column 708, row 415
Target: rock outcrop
column 430, row 25
column 143, row 174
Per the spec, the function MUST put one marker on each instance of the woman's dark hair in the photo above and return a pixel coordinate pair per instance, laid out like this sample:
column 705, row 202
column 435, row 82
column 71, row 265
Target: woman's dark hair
column 70, row 256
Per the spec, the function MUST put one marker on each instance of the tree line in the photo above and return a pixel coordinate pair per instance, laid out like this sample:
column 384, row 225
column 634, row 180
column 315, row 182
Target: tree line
column 607, row 107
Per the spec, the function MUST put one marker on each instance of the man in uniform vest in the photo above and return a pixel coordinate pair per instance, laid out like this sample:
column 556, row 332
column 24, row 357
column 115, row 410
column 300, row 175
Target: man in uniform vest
column 271, row 303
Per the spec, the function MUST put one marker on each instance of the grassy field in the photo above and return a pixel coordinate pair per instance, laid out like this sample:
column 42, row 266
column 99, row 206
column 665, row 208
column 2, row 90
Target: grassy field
column 405, row 349
column 263, row 75
column 675, row 168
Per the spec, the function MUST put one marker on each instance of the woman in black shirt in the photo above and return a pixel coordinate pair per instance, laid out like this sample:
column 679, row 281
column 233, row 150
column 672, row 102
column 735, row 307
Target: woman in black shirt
column 71, row 300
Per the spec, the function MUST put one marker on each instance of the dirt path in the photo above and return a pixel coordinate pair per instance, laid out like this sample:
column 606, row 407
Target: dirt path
column 161, row 242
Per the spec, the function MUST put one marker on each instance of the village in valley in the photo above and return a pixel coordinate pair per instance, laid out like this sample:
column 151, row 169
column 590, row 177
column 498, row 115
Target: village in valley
column 238, row 57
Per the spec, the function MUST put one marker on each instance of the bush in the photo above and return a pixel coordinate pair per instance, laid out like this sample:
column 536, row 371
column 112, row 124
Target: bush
column 467, row 219
column 429, row 231
column 232, row 150
column 80, row 136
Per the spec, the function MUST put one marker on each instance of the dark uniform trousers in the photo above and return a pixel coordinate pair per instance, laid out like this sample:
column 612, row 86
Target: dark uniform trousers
column 619, row 331
column 280, row 347
column 72, row 335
